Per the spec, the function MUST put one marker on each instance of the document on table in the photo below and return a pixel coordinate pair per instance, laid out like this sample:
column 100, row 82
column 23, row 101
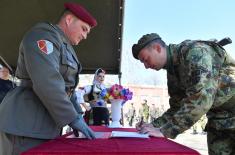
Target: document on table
column 128, row 134
column 113, row 134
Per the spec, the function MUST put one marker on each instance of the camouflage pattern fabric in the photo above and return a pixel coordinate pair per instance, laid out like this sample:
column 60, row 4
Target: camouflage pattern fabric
column 221, row 142
column 144, row 112
column 131, row 115
column 201, row 80
column 202, row 122
column 154, row 112
column 194, row 127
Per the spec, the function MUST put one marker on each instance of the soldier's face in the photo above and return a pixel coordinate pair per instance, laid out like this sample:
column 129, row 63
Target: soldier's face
column 152, row 58
column 77, row 31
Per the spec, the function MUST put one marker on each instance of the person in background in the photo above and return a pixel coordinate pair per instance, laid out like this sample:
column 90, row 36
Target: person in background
column 38, row 109
column 194, row 128
column 5, row 84
column 202, row 123
column 144, row 111
column 131, row 114
column 154, row 112
column 98, row 112
column 201, row 80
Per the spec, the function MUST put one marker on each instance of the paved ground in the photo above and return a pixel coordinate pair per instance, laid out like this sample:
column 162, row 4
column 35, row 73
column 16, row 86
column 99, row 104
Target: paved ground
column 195, row 141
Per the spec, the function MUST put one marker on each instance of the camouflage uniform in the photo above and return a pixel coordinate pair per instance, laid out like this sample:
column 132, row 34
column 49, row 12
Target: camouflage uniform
column 154, row 112
column 202, row 122
column 131, row 115
column 201, row 80
column 144, row 112
column 194, row 127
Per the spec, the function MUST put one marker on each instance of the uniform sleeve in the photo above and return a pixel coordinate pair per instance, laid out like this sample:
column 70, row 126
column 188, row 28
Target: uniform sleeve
column 81, row 92
column 200, row 93
column 166, row 117
column 174, row 102
column 48, row 83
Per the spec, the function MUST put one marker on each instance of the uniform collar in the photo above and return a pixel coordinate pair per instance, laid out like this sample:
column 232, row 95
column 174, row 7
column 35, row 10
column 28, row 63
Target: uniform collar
column 56, row 28
column 66, row 43
column 169, row 58
column 65, row 40
column 64, row 37
column 172, row 58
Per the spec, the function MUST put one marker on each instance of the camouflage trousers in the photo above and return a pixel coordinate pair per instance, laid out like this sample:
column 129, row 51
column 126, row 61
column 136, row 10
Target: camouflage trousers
column 221, row 142
column 130, row 120
column 146, row 118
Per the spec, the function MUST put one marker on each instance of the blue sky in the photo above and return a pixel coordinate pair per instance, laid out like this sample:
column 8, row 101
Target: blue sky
column 174, row 21
column 177, row 20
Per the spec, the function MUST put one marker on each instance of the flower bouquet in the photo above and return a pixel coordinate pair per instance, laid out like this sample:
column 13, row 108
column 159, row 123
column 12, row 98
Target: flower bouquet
column 116, row 92
column 117, row 95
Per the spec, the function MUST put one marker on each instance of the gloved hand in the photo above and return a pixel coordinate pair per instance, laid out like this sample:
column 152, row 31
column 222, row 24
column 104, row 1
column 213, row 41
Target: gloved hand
column 80, row 125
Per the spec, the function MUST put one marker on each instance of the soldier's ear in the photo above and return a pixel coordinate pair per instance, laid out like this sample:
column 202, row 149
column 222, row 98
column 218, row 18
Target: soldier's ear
column 68, row 19
column 157, row 47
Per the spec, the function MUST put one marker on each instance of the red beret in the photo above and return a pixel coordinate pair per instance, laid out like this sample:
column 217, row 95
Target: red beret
column 81, row 13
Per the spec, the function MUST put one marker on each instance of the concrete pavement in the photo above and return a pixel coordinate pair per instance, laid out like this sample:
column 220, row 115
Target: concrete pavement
column 195, row 141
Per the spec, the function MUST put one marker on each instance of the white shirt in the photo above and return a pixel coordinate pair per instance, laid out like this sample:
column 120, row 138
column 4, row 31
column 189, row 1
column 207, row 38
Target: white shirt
column 97, row 102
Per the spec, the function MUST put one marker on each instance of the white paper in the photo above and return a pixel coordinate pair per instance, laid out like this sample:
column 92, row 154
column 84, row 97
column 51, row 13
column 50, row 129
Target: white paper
column 128, row 134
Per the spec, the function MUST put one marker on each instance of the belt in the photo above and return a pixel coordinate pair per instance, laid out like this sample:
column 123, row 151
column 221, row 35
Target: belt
column 28, row 83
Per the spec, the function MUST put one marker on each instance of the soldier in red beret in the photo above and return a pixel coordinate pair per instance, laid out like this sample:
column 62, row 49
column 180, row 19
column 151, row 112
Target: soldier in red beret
column 48, row 68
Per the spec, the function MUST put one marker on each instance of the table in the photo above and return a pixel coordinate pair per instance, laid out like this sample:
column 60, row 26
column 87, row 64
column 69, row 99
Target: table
column 111, row 146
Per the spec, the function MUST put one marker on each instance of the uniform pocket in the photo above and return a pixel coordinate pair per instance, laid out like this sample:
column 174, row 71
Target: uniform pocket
column 68, row 60
column 68, row 67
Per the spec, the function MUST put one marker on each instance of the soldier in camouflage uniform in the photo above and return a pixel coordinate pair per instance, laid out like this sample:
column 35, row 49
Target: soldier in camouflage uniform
column 202, row 123
column 154, row 112
column 144, row 111
column 201, row 80
column 194, row 127
column 131, row 114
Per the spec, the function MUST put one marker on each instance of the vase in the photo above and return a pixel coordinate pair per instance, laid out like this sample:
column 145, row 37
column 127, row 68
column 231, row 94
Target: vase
column 116, row 105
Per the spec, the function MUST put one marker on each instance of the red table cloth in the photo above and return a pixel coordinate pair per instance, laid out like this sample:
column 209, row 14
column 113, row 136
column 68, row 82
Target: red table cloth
column 111, row 146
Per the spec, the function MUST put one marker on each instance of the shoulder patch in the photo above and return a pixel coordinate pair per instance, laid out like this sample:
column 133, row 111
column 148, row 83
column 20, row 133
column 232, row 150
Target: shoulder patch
column 45, row 46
